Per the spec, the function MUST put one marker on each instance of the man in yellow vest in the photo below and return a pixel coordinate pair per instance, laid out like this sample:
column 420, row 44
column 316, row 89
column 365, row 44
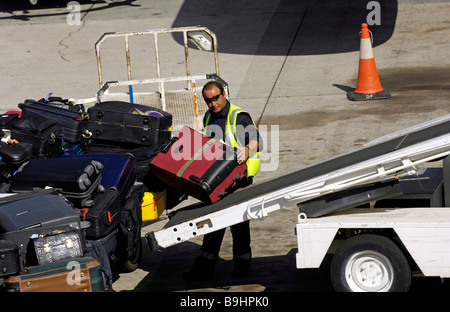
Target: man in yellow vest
column 235, row 127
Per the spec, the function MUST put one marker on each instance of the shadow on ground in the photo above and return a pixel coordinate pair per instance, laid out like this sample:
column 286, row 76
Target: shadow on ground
column 320, row 27
column 270, row 274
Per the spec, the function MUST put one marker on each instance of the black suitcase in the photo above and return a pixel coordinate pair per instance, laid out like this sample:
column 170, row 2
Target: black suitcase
column 59, row 102
column 71, row 118
column 127, row 122
column 14, row 155
column 79, row 179
column 24, row 216
column 44, row 135
column 118, row 171
column 6, row 119
column 129, row 243
column 104, row 216
column 5, row 178
column 9, row 258
column 141, row 157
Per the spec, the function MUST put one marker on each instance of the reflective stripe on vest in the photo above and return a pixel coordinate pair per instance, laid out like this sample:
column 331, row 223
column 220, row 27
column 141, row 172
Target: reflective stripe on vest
column 232, row 138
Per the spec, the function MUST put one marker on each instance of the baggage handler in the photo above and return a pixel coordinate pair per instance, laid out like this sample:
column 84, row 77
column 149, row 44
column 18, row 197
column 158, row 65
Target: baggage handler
column 235, row 127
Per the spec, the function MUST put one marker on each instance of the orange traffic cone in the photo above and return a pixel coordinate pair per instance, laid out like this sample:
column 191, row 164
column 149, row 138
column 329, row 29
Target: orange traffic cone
column 368, row 86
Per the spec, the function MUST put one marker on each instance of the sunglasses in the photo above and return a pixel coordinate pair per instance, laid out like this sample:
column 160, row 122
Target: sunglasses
column 213, row 99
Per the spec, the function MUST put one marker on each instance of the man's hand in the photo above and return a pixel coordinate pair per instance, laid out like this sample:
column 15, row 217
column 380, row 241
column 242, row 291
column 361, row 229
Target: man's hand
column 243, row 153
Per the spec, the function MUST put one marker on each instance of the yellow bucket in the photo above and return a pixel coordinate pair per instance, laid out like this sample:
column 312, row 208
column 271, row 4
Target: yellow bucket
column 153, row 205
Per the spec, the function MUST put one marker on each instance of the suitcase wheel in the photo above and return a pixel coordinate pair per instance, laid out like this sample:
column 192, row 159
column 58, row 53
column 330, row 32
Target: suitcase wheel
column 201, row 183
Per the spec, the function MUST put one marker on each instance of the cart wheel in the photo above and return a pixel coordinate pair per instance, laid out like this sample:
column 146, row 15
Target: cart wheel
column 132, row 263
column 370, row 263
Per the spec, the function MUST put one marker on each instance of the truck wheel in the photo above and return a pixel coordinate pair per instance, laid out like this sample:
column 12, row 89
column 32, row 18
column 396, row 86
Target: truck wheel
column 371, row 263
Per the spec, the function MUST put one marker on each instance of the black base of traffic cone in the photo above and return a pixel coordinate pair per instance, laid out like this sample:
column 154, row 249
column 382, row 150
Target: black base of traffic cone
column 353, row 96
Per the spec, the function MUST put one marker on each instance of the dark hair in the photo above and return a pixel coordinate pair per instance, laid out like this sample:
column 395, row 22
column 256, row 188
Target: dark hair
column 211, row 83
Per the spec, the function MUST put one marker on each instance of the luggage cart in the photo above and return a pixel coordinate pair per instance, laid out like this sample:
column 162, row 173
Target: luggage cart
column 374, row 171
column 186, row 103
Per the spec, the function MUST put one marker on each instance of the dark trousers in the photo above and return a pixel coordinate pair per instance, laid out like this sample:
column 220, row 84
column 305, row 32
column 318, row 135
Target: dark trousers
column 240, row 233
column 241, row 241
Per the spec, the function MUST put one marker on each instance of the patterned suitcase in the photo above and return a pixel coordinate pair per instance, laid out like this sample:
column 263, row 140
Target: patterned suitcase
column 72, row 275
column 58, row 245
column 199, row 166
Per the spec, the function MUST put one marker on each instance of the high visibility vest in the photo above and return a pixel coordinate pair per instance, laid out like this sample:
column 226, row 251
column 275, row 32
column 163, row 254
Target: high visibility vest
column 232, row 139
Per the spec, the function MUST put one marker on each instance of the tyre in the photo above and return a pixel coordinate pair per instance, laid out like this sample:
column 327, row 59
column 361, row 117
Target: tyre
column 133, row 262
column 370, row 263
column 127, row 263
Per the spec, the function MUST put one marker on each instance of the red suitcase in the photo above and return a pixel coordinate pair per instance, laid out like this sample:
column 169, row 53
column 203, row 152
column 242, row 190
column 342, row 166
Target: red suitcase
column 198, row 166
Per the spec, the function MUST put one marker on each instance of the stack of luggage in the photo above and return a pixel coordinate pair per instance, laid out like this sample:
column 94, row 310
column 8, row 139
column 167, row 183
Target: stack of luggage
column 62, row 209
column 40, row 235
column 77, row 185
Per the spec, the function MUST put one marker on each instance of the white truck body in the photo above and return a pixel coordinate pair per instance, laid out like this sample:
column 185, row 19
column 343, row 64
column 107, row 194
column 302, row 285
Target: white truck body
column 425, row 233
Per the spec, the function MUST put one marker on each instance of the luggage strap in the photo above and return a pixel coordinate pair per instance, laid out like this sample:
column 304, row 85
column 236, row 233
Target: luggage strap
column 208, row 144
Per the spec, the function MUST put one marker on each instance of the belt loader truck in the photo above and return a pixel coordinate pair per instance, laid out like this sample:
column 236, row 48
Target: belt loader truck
column 382, row 211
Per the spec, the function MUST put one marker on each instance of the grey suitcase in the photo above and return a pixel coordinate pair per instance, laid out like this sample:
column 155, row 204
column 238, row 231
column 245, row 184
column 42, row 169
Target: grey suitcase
column 25, row 215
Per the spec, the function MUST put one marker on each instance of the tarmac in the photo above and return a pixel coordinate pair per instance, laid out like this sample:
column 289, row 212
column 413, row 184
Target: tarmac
column 289, row 63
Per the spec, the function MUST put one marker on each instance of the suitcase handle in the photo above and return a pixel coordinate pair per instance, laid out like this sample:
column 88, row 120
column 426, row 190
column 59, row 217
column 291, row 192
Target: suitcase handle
column 227, row 148
column 166, row 148
column 66, row 113
column 233, row 184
